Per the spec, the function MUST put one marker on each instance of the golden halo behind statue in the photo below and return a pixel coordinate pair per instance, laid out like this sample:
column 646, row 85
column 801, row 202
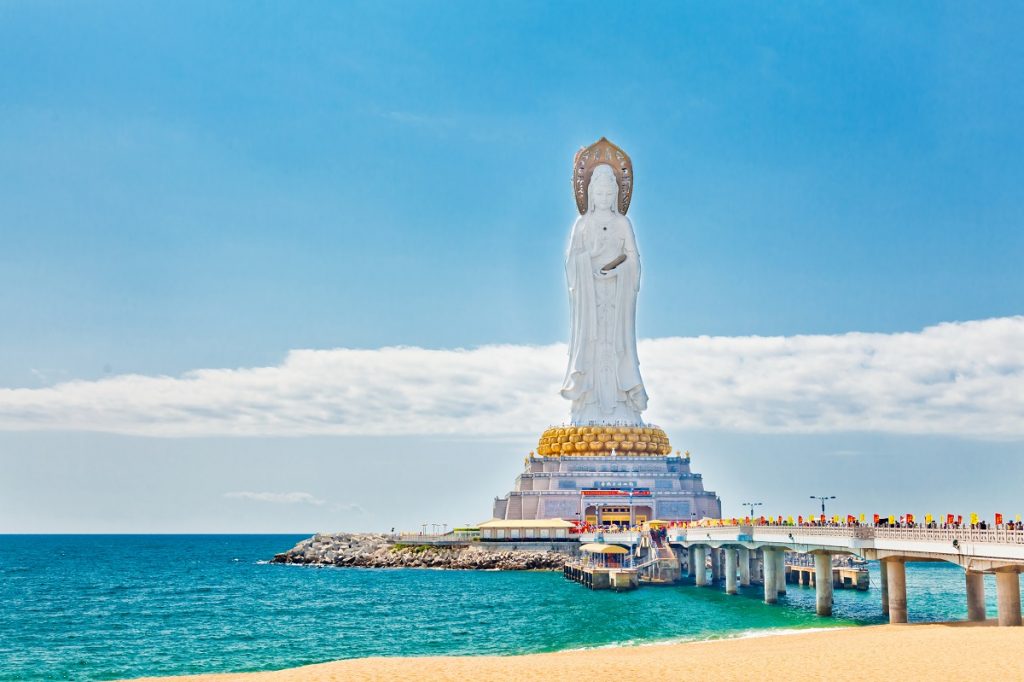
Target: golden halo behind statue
column 589, row 158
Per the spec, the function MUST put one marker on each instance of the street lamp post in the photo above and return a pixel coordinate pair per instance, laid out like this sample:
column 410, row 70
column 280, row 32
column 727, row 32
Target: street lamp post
column 822, row 498
column 751, row 505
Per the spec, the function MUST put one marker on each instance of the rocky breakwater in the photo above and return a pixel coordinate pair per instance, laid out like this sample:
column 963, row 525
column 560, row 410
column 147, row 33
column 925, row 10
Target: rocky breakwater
column 379, row 551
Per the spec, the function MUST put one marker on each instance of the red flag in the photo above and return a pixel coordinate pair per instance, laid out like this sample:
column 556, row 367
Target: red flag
column 999, row 519
column 800, row 520
column 959, row 519
column 949, row 519
column 874, row 519
column 823, row 518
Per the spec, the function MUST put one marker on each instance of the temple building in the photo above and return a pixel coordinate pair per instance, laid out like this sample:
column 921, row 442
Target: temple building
column 608, row 480
column 607, row 466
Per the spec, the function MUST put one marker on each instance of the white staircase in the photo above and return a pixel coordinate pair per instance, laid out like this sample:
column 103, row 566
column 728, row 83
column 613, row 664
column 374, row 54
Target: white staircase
column 514, row 511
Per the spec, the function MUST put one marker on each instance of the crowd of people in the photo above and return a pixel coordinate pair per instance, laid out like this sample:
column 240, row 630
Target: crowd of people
column 950, row 521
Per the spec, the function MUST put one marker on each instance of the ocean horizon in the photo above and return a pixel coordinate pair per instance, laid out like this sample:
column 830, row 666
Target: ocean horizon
column 101, row 607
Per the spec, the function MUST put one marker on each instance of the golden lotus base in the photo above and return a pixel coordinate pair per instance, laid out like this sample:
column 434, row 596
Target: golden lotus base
column 603, row 440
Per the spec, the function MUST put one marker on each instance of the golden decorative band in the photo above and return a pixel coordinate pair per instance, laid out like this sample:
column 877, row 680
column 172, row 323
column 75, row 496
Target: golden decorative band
column 602, row 440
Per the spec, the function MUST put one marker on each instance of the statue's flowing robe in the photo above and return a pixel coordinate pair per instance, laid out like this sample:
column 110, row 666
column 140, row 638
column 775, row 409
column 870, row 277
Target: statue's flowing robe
column 620, row 397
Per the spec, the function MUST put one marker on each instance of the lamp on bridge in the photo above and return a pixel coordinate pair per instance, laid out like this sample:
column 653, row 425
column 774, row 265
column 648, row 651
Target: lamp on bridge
column 751, row 505
column 822, row 499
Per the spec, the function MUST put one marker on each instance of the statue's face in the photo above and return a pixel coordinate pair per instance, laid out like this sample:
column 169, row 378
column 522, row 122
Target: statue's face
column 604, row 195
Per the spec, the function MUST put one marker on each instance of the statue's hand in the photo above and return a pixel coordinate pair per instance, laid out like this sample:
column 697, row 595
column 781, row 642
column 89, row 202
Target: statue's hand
column 615, row 263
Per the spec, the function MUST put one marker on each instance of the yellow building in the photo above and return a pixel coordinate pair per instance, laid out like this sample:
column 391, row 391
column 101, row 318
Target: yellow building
column 543, row 530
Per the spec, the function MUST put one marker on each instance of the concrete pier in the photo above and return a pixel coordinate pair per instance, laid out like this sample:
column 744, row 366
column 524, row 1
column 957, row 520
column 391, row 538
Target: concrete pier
column 823, row 584
column 700, row 565
column 1008, row 597
column 771, row 583
column 975, row 596
column 780, row 572
column 691, row 561
column 716, row 566
column 744, row 561
column 730, row 571
column 884, row 579
column 897, row 583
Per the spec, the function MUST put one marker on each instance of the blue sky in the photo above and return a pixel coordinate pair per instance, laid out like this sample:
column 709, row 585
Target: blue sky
column 197, row 186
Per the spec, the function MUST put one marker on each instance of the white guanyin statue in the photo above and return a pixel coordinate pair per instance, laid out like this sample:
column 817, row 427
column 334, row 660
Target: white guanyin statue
column 603, row 271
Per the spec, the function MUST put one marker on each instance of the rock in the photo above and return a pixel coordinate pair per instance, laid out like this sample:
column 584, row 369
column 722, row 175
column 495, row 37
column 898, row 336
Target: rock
column 379, row 551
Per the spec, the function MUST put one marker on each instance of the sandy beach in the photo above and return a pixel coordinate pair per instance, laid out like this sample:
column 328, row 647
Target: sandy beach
column 954, row 651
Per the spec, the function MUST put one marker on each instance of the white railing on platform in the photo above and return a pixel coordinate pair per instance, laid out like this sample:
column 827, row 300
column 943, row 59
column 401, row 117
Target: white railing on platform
column 433, row 538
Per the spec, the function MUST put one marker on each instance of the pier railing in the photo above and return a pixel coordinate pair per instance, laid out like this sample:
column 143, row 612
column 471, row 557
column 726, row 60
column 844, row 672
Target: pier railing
column 994, row 536
column 999, row 536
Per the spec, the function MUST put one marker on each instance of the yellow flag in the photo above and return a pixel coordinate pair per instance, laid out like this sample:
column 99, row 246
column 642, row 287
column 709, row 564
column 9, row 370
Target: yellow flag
column 892, row 520
column 862, row 518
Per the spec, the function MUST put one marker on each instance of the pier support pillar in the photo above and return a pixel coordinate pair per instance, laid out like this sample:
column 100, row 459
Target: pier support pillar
column 780, row 571
column 700, row 565
column 716, row 566
column 897, row 571
column 744, row 561
column 691, row 561
column 823, row 584
column 975, row 596
column 1008, row 597
column 758, row 568
column 883, row 574
column 771, row 583
column 730, row 571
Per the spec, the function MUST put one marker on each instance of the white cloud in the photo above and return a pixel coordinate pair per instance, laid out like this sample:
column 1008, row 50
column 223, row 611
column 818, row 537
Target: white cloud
column 955, row 378
column 276, row 498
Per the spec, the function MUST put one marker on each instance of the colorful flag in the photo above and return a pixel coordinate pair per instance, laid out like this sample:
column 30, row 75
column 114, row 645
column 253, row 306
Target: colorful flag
column 874, row 519
column 999, row 519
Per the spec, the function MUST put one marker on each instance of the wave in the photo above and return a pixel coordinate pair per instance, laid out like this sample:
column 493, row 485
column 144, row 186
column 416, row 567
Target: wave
column 704, row 638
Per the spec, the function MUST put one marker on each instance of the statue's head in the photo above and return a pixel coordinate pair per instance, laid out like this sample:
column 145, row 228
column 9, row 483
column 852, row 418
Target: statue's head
column 603, row 190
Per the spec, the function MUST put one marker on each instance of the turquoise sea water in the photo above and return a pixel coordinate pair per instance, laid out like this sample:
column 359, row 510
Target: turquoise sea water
column 105, row 607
